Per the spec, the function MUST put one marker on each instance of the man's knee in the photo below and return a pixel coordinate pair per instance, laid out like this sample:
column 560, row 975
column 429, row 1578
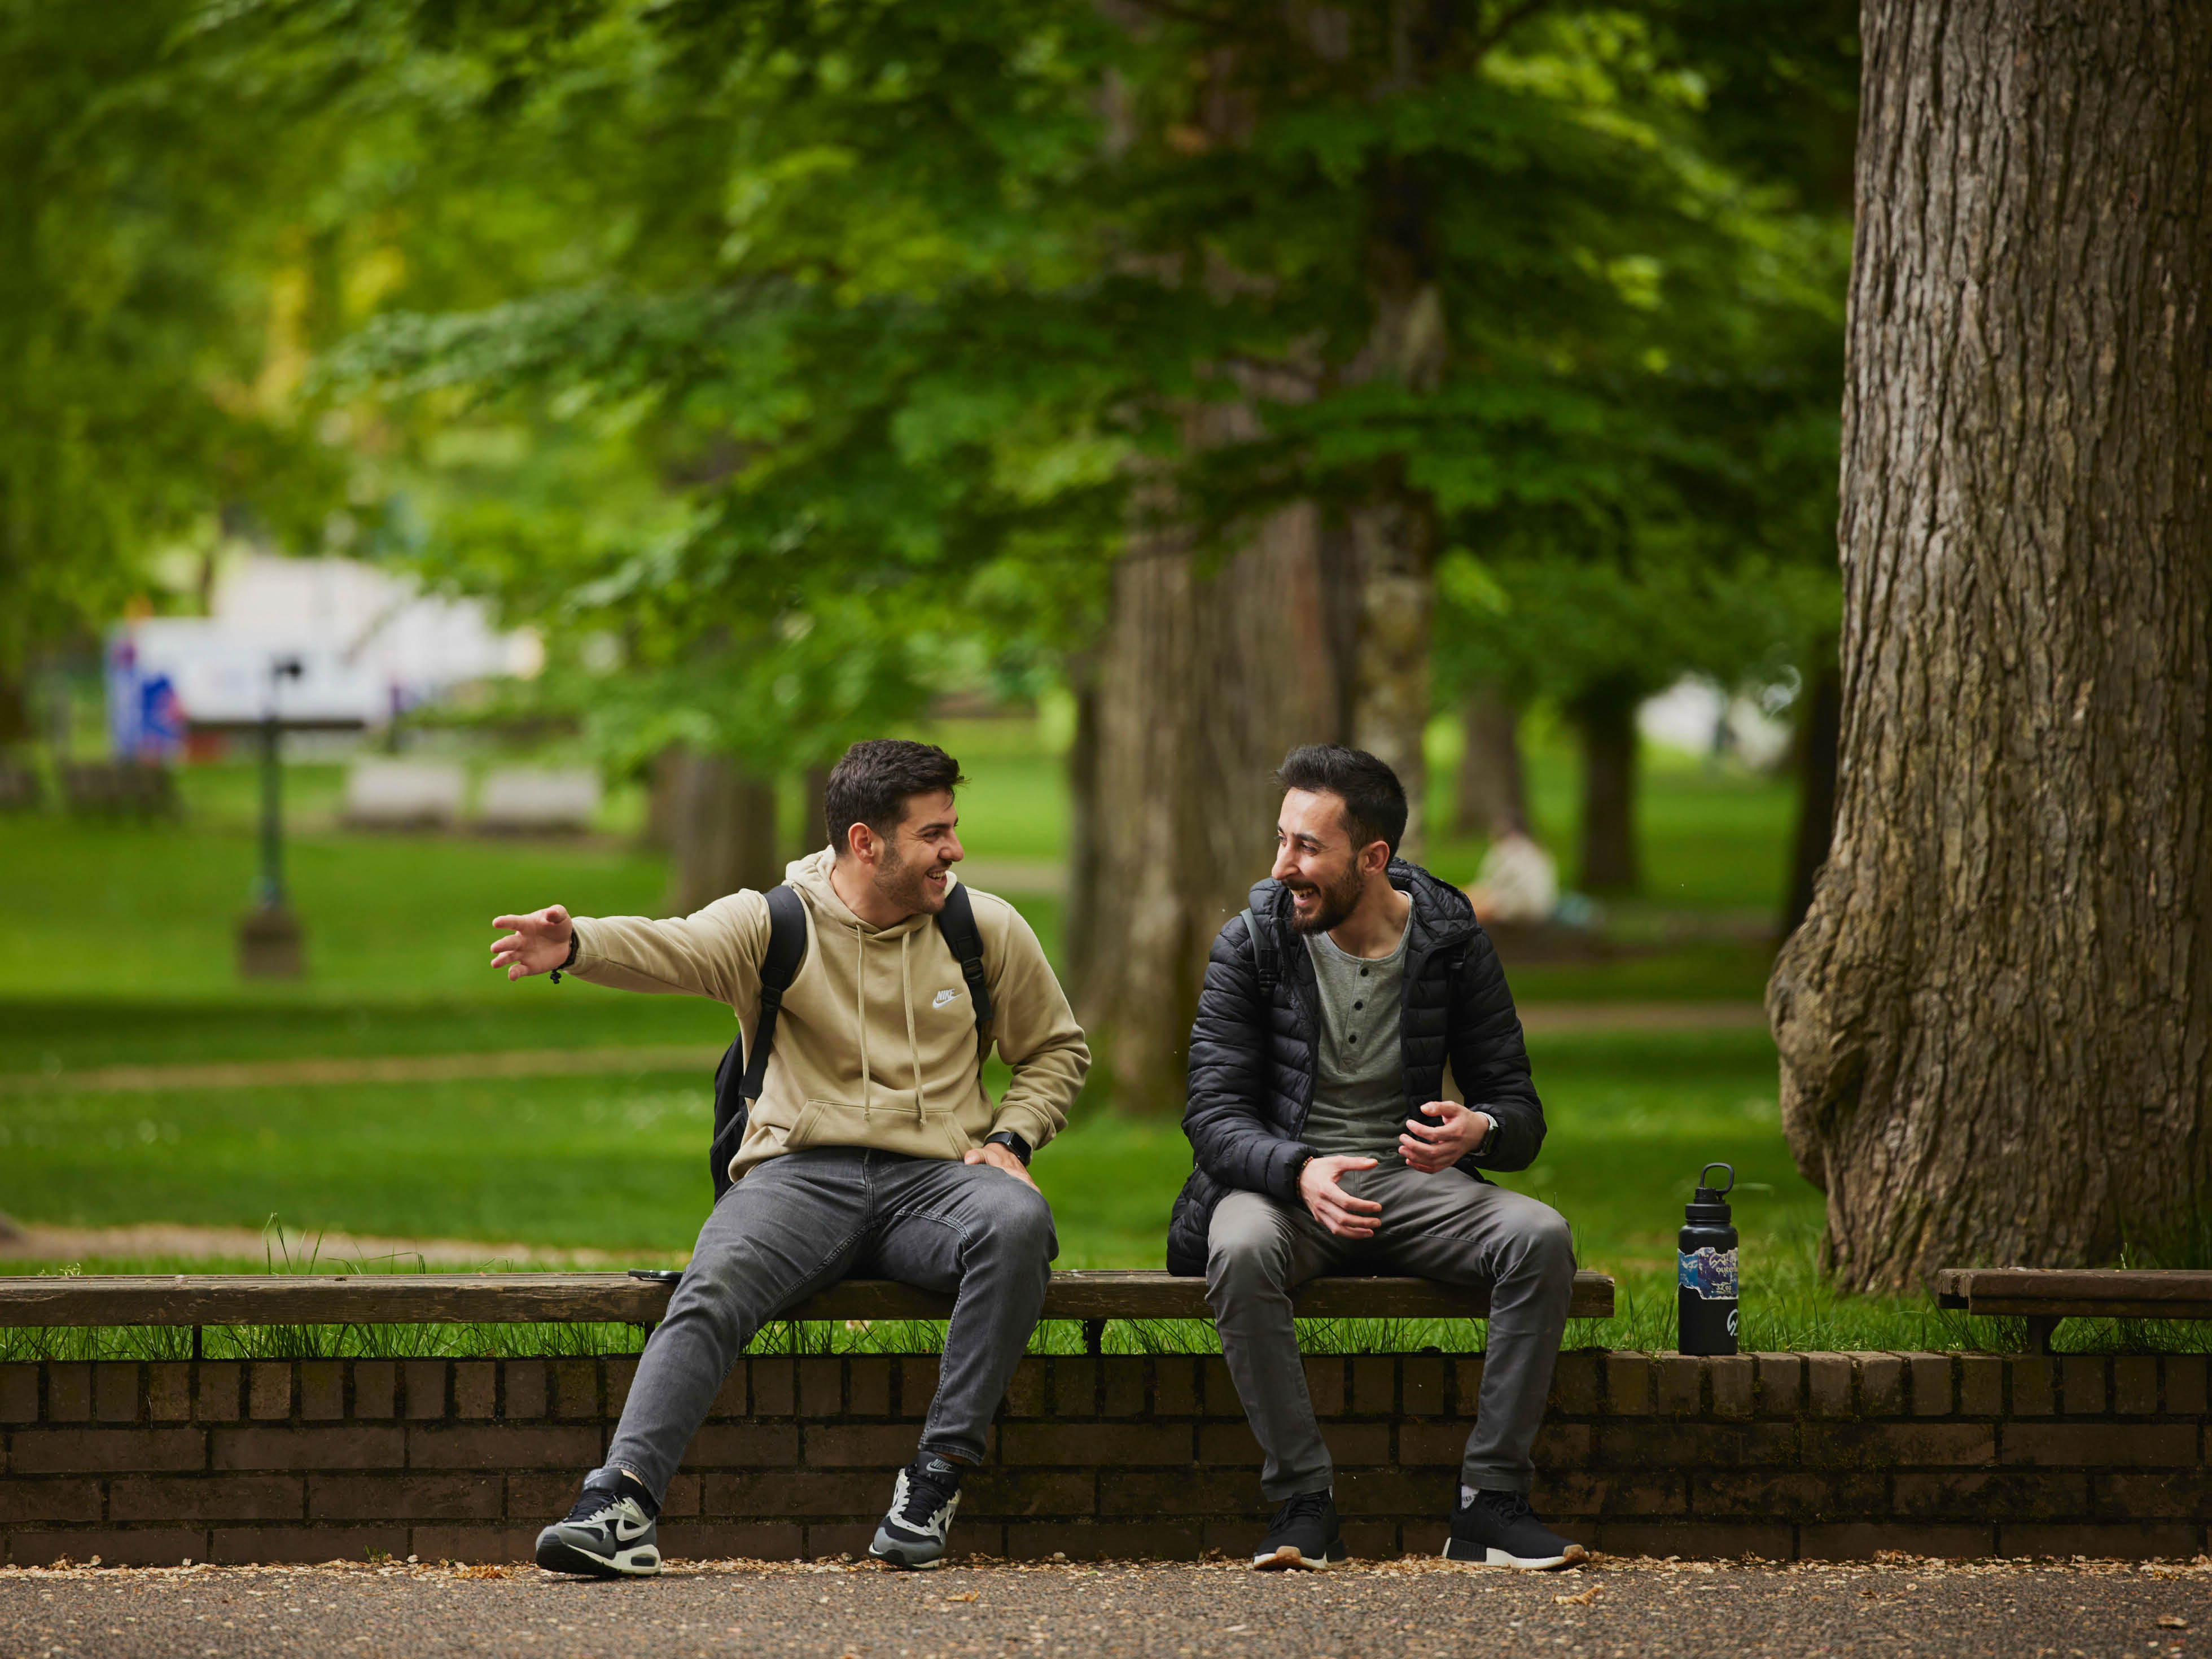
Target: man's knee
column 1548, row 1246
column 1245, row 1246
column 1016, row 1218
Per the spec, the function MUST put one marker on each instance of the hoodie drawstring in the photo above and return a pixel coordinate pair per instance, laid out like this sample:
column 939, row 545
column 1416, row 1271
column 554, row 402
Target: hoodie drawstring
column 861, row 1018
column 860, row 1013
column 913, row 1045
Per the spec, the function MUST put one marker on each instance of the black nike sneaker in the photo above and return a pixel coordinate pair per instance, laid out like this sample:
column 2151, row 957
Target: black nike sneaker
column 608, row 1535
column 922, row 1504
column 1305, row 1534
column 1498, row 1530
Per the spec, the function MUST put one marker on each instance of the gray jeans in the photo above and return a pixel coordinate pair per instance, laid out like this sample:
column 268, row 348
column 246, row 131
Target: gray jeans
column 1445, row 1226
column 806, row 1219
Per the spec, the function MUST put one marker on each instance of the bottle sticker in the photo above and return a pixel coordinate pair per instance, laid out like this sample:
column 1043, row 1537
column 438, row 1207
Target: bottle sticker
column 1710, row 1273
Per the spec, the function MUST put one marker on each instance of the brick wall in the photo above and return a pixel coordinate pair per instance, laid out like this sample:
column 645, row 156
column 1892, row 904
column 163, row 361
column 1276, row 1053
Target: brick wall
column 1814, row 1454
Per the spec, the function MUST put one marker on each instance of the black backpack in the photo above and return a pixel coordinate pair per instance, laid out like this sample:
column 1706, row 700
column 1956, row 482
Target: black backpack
column 738, row 1085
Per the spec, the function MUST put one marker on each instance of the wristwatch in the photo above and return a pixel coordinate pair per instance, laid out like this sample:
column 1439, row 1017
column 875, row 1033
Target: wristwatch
column 1013, row 1142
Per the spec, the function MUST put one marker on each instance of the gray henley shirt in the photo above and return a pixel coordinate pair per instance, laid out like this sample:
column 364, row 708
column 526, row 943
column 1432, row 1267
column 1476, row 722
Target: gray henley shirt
column 1360, row 1089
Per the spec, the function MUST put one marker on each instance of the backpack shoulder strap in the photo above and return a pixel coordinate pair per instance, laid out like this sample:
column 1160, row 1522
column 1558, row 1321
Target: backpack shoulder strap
column 786, row 947
column 1264, row 956
column 956, row 923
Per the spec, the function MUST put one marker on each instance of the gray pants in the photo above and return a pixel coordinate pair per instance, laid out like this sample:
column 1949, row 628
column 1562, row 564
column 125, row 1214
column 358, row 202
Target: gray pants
column 807, row 1219
column 1445, row 1226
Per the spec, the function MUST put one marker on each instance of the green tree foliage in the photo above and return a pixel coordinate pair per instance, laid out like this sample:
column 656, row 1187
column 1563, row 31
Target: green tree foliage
column 156, row 297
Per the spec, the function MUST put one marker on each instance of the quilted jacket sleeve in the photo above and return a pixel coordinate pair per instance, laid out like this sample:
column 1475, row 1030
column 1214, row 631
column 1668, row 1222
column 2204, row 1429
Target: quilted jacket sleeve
column 1233, row 1135
column 1490, row 1062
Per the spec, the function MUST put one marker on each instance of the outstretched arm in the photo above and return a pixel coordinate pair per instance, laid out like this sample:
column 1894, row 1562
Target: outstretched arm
column 714, row 952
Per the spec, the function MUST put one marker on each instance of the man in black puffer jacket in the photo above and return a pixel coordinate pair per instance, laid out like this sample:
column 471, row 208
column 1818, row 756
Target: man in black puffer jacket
column 1324, row 1144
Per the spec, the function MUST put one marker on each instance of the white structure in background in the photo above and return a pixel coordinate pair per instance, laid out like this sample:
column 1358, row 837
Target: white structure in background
column 403, row 794
column 369, row 643
column 524, row 800
column 1695, row 714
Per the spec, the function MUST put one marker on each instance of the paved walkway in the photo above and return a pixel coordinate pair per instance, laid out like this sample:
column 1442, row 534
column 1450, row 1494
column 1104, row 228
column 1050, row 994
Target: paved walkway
column 1370, row 1611
column 313, row 1071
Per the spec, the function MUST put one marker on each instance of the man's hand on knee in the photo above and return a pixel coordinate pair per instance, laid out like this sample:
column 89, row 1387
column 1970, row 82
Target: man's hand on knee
column 1429, row 1148
column 999, row 1156
column 1335, row 1208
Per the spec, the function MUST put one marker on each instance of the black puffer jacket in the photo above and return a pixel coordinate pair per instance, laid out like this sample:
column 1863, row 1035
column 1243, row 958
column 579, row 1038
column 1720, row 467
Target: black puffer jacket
column 1252, row 1057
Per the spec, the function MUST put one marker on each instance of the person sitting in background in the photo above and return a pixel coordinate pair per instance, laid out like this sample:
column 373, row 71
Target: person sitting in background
column 1518, row 885
column 873, row 1148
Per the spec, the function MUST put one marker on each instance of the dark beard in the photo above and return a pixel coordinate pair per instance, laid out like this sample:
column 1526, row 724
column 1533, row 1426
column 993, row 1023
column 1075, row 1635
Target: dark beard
column 1336, row 903
column 901, row 881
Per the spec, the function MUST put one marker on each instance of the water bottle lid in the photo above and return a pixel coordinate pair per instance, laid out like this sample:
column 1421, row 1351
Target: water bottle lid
column 1707, row 1195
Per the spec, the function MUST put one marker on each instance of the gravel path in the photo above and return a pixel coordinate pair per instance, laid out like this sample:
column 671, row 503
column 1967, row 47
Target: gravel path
column 1178, row 1611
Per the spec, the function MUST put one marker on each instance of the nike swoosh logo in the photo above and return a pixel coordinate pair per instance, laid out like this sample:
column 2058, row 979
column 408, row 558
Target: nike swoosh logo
column 944, row 997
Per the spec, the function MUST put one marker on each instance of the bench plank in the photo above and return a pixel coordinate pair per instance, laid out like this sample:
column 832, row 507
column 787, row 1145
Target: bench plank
column 2075, row 1292
column 181, row 1299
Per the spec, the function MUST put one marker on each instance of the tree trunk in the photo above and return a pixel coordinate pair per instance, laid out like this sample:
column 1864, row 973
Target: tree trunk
column 1078, row 921
column 1492, row 797
column 1206, row 677
column 1393, row 540
column 813, row 811
column 1995, row 1023
column 1606, row 718
column 1394, row 532
column 723, row 833
column 1817, row 737
column 664, row 773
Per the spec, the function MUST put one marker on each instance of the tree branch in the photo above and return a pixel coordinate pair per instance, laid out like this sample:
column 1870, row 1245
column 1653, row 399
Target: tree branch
column 1513, row 17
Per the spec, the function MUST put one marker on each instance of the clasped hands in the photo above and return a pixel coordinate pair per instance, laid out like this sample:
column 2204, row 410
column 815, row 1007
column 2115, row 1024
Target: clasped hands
column 1427, row 1147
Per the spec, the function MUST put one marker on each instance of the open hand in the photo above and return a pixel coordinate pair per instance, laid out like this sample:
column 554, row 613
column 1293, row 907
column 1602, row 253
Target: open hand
column 1429, row 1148
column 1335, row 1208
column 538, row 944
column 999, row 1156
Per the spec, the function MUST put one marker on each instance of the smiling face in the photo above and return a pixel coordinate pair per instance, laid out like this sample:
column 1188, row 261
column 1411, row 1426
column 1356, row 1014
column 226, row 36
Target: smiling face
column 1326, row 875
column 911, row 863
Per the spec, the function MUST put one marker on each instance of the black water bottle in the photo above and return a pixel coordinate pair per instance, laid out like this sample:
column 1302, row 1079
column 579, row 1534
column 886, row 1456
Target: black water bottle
column 1706, row 1303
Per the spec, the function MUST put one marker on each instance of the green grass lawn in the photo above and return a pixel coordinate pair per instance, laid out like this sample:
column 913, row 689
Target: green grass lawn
column 121, row 952
column 617, row 1163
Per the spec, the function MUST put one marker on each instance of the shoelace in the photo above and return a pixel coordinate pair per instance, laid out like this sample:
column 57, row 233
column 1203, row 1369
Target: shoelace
column 1304, row 1503
column 592, row 1503
column 925, row 1496
column 1507, row 1506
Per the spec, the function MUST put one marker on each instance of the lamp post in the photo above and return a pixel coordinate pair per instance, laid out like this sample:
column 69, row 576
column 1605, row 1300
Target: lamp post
column 269, row 936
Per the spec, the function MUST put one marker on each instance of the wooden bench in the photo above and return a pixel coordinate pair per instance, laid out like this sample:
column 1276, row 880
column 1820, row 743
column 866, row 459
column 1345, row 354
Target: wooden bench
column 2043, row 1296
column 1094, row 1296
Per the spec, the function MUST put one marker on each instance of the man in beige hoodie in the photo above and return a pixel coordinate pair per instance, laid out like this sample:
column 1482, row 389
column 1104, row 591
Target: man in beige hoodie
column 872, row 1150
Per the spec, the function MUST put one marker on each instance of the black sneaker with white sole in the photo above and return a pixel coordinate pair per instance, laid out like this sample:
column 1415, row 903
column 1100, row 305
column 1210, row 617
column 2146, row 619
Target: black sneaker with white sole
column 1498, row 1530
column 608, row 1535
column 922, row 1505
column 1305, row 1534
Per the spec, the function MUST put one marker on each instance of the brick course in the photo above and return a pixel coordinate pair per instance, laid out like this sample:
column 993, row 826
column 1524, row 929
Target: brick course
column 1827, row 1455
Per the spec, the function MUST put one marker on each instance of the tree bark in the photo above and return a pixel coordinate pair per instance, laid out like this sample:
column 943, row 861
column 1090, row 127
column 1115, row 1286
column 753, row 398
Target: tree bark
column 1206, row 674
column 1078, row 921
column 1995, row 1023
column 723, row 833
column 1605, row 716
column 1492, row 797
column 813, row 811
column 1817, row 737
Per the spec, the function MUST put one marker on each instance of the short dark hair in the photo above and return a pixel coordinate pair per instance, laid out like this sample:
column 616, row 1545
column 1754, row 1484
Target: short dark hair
column 872, row 784
column 1374, row 800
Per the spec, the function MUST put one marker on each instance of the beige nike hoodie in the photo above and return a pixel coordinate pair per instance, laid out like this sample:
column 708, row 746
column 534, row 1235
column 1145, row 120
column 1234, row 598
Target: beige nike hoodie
column 876, row 1044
